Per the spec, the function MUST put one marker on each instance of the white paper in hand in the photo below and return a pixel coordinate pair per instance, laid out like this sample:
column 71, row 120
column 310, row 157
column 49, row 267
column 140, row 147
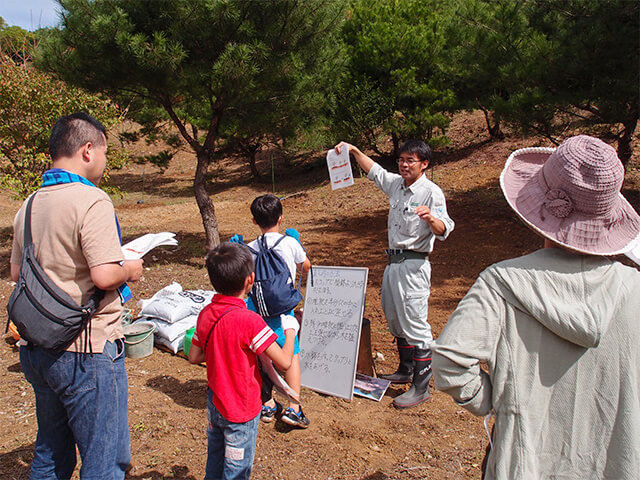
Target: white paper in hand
column 137, row 248
column 339, row 166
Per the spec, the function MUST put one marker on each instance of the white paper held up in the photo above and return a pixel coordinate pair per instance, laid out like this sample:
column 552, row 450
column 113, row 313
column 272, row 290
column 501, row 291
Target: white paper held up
column 339, row 166
column 139, row 247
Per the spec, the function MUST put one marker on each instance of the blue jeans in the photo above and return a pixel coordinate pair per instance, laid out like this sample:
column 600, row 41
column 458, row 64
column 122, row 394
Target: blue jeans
column 231, row 445
column 81, row 400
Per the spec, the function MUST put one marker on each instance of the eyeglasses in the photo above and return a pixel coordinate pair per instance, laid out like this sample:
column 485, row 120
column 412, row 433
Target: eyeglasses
column 408, row 161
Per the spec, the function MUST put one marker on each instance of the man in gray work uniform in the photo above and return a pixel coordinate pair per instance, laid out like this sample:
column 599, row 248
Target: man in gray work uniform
column 417, row 216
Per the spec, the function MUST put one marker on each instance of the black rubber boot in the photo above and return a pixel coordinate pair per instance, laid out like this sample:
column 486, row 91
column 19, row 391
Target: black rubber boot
column 404, row 374
column 419, row 391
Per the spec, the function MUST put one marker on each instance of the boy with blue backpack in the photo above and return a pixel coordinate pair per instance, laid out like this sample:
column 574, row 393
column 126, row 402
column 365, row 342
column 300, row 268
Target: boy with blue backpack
column 277, row 258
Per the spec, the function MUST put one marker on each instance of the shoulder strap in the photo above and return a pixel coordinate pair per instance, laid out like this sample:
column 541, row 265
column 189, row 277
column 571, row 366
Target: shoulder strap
column 300, row 276
column 27, row 221
column 262, row 243
column 206, row 342
column 252, row 250
column 278, row 241
column 98, row 294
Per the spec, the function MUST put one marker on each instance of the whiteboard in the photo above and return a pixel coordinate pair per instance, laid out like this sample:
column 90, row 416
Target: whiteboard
column 330, row 332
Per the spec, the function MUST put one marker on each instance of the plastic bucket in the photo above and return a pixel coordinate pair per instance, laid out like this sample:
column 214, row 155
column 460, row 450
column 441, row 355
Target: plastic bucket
column 187, row 340
column 126, row 317
column 138, row 339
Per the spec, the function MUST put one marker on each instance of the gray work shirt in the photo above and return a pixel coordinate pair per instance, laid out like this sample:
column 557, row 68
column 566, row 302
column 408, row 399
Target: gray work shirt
column 406, row 229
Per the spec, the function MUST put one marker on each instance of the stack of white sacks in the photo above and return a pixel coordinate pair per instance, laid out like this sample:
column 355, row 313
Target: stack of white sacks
column 174, row 311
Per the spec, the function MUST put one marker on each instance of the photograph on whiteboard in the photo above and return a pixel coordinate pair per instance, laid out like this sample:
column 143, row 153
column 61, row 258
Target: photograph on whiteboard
column 370, row 387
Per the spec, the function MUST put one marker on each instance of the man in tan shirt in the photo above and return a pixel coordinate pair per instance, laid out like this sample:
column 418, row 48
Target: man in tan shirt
column 81, row 398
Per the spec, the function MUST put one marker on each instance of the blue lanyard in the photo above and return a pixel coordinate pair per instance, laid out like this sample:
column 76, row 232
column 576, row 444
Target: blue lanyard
column 58, row 176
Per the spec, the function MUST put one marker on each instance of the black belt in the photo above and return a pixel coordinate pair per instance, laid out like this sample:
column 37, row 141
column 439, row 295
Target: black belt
column 398, row 255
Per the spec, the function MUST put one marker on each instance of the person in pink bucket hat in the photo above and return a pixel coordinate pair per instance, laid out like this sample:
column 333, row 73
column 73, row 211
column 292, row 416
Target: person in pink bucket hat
column 559, row 329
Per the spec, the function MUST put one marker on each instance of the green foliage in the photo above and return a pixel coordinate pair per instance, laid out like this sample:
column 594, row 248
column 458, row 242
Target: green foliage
column 219, row 70
column 588, row 76
column 393, row 82
column 160, row 159
column 19, row 44
column 551, row 67
column 206, row 65
column 30, row 103
column 362, row 111
column 492, row 54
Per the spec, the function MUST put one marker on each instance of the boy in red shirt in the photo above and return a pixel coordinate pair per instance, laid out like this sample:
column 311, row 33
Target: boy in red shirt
column 229, row 338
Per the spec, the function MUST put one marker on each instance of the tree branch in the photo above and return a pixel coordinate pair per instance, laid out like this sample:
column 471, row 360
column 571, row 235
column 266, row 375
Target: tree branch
column 166, row 104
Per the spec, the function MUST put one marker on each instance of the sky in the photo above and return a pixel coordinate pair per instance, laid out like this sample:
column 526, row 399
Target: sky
column 29, row 14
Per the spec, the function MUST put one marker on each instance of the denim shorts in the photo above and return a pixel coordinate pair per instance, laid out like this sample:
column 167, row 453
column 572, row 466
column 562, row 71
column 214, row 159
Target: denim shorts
column 275, row 324
column 231, row 446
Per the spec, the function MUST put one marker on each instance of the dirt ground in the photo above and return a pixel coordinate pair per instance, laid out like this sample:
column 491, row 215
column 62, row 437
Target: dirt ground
column 361, row 439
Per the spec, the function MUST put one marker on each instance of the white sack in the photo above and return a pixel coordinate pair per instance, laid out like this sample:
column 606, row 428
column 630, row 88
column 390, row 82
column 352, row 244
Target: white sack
column 167, row 291
column 172, row 331
column 173, row 304
column 174, row 346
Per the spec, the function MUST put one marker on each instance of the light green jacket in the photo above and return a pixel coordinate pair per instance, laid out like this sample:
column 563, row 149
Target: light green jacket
column 560, row 334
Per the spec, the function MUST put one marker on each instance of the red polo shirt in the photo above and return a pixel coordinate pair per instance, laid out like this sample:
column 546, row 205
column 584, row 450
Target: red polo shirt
column 237, row 339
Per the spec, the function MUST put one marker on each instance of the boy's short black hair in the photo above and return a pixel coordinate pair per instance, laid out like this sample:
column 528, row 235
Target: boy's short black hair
column 266, row 210
column 229, row 265
column 71, row 132
column 418, row 147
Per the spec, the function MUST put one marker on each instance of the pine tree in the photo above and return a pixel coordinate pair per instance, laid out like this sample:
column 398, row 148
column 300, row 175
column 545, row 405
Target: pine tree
column 393, row 82
column 204, row 65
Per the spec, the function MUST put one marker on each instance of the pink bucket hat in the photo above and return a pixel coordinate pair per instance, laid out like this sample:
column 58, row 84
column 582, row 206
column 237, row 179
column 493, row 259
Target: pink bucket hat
column 571, row 195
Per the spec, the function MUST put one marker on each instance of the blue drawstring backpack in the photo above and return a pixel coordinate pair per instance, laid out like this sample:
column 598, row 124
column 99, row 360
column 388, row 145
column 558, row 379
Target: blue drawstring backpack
column 273, row 292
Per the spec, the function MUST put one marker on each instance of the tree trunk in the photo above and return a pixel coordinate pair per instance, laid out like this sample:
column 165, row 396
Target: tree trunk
column 396, row 145
column 207, row 210
column 494, row 130
column 252, row 164
column 624, row 142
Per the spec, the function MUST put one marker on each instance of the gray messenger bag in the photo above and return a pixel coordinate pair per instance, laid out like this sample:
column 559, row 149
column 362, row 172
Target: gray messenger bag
column 44, row 314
